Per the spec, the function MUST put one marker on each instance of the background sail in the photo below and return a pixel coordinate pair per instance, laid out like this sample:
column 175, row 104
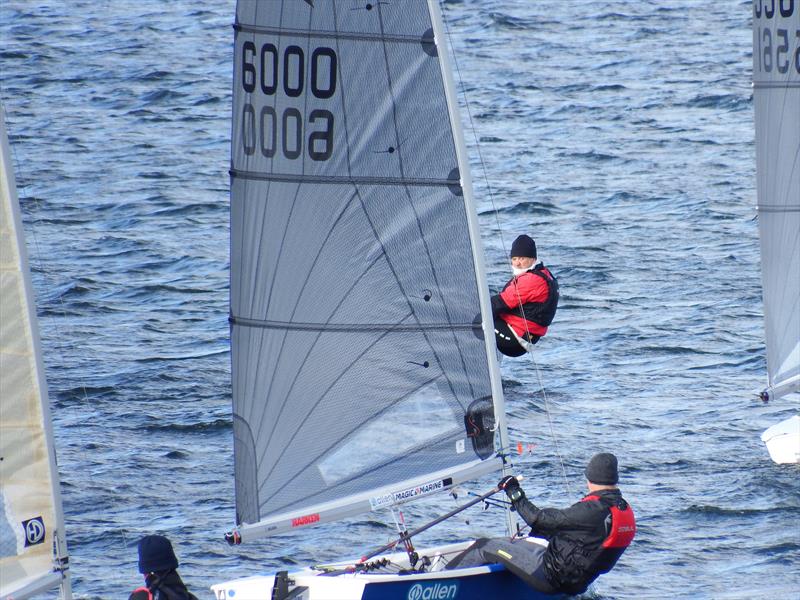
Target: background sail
column 776, row 81
column 28, row 504
column 358, row 357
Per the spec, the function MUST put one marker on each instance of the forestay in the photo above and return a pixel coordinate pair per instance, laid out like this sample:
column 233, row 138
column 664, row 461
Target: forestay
column 363, row 375
column 31, row 522
column 776, row 82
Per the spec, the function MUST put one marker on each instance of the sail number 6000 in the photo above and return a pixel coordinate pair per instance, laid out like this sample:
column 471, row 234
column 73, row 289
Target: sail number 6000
column 273, row 73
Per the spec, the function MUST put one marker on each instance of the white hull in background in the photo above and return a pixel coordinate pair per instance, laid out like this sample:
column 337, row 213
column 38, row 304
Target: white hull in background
column 783, row 441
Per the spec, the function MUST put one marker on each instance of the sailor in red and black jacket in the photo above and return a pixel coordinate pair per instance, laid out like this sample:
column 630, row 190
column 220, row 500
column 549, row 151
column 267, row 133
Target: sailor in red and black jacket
column 525, row 308
column 586, row 539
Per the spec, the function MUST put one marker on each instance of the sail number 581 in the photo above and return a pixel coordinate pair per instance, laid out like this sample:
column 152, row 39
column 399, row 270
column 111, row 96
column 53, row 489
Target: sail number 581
column 272, row 72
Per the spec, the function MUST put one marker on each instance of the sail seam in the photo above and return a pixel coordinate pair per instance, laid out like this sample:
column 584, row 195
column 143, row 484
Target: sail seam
column 776, row 84
column 363, row 37
column 346, row 180
column 777, row 209
column 351, row 327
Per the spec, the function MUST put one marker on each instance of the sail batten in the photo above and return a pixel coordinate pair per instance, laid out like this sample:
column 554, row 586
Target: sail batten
column 350, row 181
column 353, row 327
column 359, row 314
column 333, row 35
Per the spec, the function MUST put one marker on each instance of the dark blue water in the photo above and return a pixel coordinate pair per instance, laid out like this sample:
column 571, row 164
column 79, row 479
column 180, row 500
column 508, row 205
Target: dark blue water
column 619, row 134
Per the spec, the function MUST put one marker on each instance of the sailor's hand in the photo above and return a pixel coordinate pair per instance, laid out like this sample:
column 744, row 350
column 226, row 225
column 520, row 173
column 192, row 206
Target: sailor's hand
column 508, row 484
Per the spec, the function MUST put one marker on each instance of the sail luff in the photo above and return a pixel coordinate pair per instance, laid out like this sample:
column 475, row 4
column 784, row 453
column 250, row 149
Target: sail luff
column 26, row 482
column 487, row 324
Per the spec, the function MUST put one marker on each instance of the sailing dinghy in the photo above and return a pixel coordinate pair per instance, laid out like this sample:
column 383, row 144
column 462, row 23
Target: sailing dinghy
column 776, row 96
column 363, row 356
column 33, row 550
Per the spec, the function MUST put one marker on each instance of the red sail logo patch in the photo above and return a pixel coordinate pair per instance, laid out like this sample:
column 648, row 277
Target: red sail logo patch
column 305, row 520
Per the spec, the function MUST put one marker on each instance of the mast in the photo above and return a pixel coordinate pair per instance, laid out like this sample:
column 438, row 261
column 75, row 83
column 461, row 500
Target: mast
column 475, row 238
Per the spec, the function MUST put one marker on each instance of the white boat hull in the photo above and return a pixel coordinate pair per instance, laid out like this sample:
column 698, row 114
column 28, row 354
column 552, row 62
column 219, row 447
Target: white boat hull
column 783, row 441
column 433, row 584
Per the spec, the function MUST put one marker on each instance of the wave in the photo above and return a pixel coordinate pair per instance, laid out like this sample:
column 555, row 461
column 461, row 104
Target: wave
column 176, row 454
column 718, row 511
column 182, row 357
column 201, row 427
column 159, row 96
column 721, row 101
column 592, row 155
column 505, row 21
column 526, row 208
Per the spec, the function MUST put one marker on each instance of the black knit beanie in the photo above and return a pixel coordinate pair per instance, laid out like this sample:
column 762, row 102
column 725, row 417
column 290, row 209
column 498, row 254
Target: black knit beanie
column 602, row 469
column 523, row 246
column 155, row 554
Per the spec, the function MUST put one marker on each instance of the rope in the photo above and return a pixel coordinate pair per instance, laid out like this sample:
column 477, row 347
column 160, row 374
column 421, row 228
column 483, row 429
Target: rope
column 505, row 253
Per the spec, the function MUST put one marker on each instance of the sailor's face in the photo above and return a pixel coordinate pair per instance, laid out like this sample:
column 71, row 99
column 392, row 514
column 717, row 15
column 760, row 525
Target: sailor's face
column 522, row 262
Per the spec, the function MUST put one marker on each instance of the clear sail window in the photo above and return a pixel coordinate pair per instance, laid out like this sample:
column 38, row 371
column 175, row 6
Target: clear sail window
column 421, row 418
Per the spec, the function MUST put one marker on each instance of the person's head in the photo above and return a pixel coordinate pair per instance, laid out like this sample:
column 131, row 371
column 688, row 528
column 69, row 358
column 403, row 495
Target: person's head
column 523, row 252
column 602, row 472
column 156, row 555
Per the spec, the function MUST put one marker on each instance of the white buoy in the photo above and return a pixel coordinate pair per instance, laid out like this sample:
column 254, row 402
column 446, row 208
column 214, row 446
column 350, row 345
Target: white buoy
column 783, row 441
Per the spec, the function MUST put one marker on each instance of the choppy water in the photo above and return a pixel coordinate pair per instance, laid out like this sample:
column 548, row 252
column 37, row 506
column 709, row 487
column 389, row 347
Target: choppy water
column 620, row 134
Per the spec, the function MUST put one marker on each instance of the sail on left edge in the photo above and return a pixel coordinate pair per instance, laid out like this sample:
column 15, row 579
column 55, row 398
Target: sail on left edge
column 33, row 553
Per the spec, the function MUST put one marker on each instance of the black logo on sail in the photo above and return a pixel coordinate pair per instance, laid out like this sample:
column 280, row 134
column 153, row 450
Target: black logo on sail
column 34, row 531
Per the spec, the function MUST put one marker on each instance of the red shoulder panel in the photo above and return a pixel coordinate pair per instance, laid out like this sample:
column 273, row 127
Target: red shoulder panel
column 623, row 528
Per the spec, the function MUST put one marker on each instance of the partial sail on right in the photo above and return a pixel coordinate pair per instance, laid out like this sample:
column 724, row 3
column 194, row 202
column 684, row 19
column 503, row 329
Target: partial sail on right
column 776, row 96
column 32, row 547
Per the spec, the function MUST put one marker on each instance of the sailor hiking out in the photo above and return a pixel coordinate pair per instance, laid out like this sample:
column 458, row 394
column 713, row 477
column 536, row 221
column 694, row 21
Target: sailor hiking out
column 584, row 540
column 525, row 308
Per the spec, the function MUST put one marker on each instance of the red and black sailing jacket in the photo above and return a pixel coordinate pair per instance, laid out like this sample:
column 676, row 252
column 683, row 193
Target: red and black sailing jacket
column 168, row 586
column 585, row 540
column 621, row 527
column 528, row 302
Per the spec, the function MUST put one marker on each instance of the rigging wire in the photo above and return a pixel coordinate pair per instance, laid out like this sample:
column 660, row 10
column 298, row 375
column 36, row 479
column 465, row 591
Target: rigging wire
column 35, row 258
column 503, row 246
column 47, row 275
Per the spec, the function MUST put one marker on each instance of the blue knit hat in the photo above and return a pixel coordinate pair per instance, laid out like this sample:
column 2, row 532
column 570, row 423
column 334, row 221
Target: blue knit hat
column 155, row 554
column 523, row 246
column 602, row 469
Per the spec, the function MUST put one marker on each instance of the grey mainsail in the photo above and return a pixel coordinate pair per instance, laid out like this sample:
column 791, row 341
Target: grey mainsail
column 364, row 371
column 776, row 82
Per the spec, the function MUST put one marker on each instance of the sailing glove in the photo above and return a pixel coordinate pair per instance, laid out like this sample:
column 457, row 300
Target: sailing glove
column 510, row 486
